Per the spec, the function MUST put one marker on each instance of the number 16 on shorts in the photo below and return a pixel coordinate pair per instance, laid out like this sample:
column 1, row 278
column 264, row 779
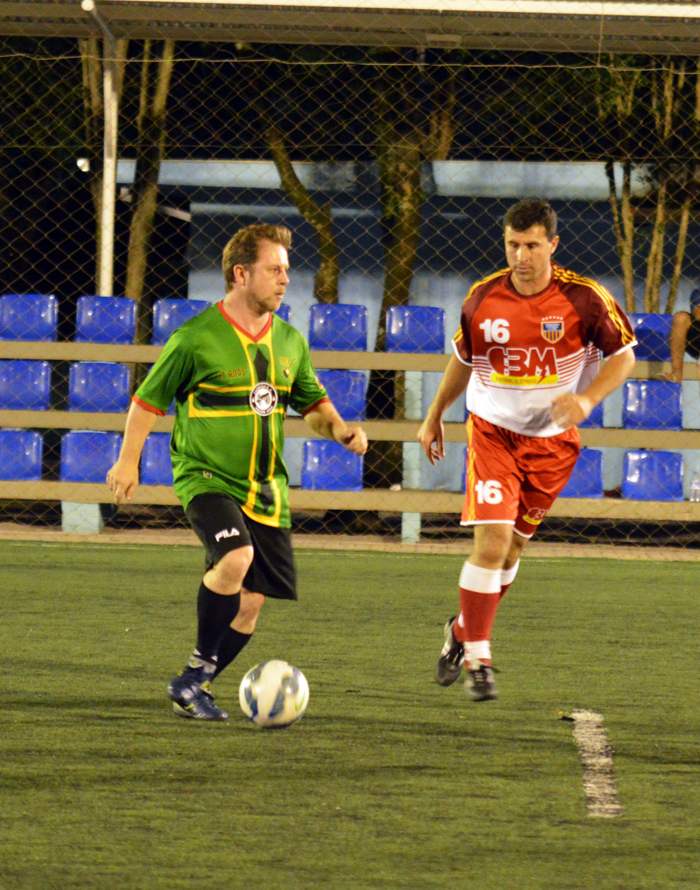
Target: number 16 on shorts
column 485, row 501
column 488, row 491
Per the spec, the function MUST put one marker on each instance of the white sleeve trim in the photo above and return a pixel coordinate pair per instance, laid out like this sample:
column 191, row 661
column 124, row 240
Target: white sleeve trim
column 454, row 348
column 624, row 349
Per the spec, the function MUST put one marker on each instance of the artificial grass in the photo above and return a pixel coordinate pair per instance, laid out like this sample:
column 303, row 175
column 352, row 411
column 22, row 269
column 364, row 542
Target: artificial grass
column 388, row 781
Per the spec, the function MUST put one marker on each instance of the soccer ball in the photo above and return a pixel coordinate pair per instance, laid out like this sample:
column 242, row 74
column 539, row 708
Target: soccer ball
column 274, row 694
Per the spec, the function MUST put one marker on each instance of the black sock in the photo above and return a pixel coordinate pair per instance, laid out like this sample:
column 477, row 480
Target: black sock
column 229, row 646
column 215, row 612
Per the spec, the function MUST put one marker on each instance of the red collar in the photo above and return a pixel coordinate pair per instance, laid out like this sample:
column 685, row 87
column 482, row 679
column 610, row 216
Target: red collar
column 250, row 336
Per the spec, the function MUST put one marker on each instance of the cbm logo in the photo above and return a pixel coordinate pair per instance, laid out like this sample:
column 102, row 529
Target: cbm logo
column 512, row 361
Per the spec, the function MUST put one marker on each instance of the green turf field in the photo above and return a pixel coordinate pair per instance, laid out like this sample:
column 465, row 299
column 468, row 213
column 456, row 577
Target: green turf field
column 389, row 781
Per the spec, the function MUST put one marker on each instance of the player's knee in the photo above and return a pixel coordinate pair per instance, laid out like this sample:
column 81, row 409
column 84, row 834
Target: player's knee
column 492, row 544
column 233, row 566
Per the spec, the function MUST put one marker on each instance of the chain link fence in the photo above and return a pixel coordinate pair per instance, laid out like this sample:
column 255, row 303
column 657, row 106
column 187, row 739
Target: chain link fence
column 393, row 168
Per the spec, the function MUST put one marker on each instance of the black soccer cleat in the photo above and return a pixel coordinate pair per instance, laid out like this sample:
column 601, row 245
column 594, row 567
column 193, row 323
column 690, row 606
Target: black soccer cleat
column 480, row 685
column 449, row 664
column 190, row 693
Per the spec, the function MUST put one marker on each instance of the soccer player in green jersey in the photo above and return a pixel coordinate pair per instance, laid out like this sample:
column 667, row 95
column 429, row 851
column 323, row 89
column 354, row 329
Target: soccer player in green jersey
column 232, row 372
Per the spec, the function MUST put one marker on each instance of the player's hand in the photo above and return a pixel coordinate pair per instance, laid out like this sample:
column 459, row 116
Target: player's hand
column 354, row 439
column 122, row 479
column 670, row 377
column 431, row 436
column 570, row 409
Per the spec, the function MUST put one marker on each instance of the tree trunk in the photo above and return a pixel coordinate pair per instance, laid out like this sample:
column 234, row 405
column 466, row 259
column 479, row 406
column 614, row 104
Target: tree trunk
column 150, row 150
column 666, row 97
column 679, row 255
column 616, row 99
column 400, row 170
column 441, row 130
column 656, row 252
column 399, row 176
column 319, row 216
column 688, row 199
column 623, row 227
column 399, row 140
column 628, row 231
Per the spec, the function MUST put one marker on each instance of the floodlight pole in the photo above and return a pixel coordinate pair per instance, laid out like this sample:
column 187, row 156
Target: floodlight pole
column 105, row 262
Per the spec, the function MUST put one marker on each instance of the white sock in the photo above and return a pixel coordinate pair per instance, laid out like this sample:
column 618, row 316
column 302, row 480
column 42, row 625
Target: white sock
column 478, row 651
column 508, row 575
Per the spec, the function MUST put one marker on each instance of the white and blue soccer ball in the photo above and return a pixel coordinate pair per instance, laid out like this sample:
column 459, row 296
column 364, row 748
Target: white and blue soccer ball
column 274, row 694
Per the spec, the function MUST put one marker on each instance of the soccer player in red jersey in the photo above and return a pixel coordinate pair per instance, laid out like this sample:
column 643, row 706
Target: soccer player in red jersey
column 527, row 354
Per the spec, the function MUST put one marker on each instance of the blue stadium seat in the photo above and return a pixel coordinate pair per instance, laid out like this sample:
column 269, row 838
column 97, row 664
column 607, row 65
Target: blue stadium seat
column 25, row 385
column 347, row 391
column 283, row 312
column 586, row 480
column 20, row 454
column 98, row 386
column 594, row 419
column 169, row 314
column 327, row 466
column 338, row 326
column 415, row 329
column 652, row 476
column 86, row 455
column 28, row 317
column 652, row 405
column 156, row 466
column 105, row 320
column 653, row 332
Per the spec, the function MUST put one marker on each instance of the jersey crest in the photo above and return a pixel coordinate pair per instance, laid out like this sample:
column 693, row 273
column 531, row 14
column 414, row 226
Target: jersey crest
column 552, row 328
column 263, row 399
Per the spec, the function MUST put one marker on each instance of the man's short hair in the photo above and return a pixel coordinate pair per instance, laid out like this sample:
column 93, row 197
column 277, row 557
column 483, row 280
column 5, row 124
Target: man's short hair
column 243, row 248
column 531, row 212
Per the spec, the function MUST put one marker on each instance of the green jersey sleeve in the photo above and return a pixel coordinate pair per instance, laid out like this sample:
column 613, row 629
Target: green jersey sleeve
column 171, row 376
column 306, row 389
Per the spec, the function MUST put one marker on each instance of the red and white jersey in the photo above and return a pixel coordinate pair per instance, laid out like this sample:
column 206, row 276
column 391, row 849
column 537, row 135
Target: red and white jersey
column 527, row 350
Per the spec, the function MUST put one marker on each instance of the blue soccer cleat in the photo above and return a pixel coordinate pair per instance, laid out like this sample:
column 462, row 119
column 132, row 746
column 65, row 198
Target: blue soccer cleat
column 190, row 693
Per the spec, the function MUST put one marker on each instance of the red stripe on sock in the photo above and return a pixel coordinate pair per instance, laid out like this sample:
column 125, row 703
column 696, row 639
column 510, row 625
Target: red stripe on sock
column 478, row 612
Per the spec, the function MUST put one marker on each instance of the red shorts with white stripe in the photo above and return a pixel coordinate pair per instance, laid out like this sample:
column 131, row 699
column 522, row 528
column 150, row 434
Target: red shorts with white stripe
column 512, row 478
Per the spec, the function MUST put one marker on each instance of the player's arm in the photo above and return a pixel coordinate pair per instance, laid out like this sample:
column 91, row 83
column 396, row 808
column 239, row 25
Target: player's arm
column 324, row 419
column 123, row 477
column 573, row 408
column 678, row 339
column 431, row 434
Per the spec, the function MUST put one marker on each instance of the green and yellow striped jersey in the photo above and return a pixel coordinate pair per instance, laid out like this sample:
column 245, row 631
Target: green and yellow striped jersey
column 231, row 393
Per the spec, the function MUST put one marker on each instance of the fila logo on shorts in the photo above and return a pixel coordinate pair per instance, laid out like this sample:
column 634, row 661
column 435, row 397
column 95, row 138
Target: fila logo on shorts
column 263, row 399
column 226, row 533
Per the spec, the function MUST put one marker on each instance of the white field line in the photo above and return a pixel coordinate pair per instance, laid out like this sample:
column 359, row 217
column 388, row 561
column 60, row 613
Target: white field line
column 597, row 760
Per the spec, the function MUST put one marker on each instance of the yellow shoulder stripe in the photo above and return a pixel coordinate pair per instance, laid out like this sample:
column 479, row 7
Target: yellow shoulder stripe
column 606, row 297
column 485, row 281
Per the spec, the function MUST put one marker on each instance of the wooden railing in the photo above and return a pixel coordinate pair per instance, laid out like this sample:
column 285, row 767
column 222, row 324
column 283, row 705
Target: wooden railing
column 406, row 501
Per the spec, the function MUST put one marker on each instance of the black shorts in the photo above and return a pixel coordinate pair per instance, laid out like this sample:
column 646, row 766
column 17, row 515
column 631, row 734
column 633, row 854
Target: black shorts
column 692, row 343
column 221, row 526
